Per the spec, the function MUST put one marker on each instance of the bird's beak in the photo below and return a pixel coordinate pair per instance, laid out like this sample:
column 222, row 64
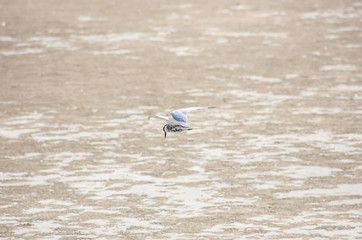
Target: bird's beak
column 165, row 134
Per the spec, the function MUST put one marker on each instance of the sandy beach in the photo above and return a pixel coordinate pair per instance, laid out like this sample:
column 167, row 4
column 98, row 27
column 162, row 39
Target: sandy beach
column 82, row 155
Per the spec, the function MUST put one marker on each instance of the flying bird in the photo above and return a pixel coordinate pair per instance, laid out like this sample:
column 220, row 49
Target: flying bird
column 178, row 123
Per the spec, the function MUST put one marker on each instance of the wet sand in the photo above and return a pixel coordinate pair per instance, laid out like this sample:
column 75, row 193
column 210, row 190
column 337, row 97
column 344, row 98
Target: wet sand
column 83, row 157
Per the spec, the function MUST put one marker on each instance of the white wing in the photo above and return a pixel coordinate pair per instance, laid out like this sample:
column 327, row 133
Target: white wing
column 171, row 121
column 180, row 115
column 163, row 117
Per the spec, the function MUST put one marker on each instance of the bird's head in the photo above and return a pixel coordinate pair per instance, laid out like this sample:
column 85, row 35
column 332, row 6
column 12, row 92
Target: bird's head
column 164, row 130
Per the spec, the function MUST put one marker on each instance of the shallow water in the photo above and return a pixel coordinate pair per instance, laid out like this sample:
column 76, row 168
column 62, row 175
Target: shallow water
column 83, row 156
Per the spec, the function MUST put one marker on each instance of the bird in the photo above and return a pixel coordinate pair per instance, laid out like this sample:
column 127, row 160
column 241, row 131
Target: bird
column 178, row 123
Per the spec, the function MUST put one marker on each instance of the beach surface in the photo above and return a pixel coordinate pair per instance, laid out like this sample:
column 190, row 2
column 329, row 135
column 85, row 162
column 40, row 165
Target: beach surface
column 82, row 155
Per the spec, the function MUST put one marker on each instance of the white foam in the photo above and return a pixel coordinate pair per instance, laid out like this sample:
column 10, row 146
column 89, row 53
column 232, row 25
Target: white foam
column 43, row 209
column 266, row 185
column 356, row 201
column 338, row 67
column 185, row 5
column 143, row 225
column 163, row 33
column 8, row 39
column 329, row 14
column 256, row 98
column 214, row 78
column 38, row 227
column 197, row 169
column 182, row 51
column 230, row 67
column 348, row 88
column 29, row 117
column 241, row 7
column 9, row 102
column 22, row 51
column 111, row 37
column 331, row 36
column 89, row 19
column 198, row 92
column 339, row 147
column 340, row 190
column 264, row 218
column 68, row 156
column 303, row 172
column 240, row 227
column 29, row 155
column 353, row 46
column 293, row 171
column 346, row 29
column 7, row 220
column 274, row 35
column 262, row 79
column 134, row 111
column 325, row 227
column 15, row 133
column 222, row 40
column 346, row 160
column 55, row 202
column 271, row 14
column 175, row 16
column 112, row 154
column 184, row 201
column 52, row 42
column 44, row 136
column 318, row 110
column 29, row 180
column 291, row 76
column 112, row 52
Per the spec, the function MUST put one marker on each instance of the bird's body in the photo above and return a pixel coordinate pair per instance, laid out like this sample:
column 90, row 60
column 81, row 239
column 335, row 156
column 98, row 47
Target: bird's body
column 178, row 123
column 176, row 128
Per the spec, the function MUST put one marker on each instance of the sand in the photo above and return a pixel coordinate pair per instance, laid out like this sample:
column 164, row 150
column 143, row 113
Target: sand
column 82, row 155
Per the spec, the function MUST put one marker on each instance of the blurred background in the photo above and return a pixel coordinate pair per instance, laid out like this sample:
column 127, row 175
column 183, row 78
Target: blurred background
column 82, row 155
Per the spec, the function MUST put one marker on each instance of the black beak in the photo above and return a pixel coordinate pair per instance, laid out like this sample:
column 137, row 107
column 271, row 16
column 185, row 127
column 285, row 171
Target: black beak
column 165, row 134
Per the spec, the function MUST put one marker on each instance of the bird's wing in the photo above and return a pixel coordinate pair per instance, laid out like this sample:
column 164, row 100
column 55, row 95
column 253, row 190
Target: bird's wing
column 180, row 115
column 163, row 117
column 171, row 121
